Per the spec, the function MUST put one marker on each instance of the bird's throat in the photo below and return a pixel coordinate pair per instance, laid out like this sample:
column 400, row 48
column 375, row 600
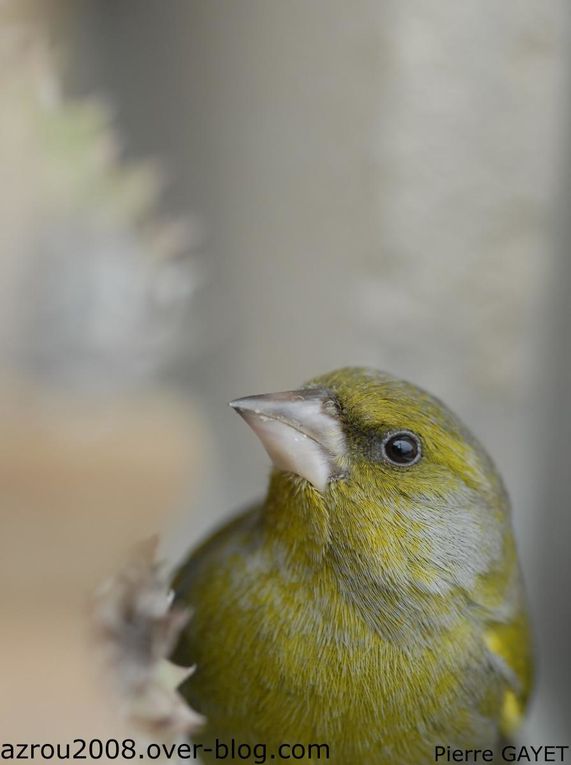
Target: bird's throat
column 296, row 519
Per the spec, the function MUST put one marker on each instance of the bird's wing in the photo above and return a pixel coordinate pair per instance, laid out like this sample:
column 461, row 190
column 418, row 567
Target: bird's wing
column 509, row 645
column 500, row 604
column 237, row 535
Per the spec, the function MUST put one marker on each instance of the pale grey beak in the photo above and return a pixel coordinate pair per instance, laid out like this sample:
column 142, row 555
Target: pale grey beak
column 300, row 431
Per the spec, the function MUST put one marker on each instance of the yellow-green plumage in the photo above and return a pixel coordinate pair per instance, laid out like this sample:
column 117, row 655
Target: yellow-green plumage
column 382, row 615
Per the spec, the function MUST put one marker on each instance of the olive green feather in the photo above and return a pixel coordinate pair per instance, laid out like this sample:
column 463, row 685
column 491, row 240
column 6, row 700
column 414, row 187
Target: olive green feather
column 383, row 616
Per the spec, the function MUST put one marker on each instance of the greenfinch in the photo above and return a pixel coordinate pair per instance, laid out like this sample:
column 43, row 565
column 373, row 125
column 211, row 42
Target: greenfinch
column 373, row 601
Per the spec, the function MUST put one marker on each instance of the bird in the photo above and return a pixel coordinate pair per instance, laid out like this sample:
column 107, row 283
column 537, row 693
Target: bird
column 373, row 602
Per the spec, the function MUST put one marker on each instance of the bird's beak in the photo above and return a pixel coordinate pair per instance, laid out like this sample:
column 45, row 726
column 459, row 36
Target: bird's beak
column 300, row 430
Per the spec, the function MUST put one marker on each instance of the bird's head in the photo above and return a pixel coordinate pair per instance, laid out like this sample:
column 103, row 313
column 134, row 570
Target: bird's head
column 382, row 477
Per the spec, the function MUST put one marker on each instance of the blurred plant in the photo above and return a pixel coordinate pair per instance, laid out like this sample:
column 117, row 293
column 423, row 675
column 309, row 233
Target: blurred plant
column 95, row 291
column 138, row 628
column 94, row 286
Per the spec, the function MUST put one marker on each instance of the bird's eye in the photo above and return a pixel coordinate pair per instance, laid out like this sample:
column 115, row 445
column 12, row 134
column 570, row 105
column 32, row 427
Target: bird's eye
column 402, row 448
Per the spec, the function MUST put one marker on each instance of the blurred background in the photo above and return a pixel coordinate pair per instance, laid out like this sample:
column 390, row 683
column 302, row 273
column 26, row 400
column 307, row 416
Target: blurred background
column 203, row 199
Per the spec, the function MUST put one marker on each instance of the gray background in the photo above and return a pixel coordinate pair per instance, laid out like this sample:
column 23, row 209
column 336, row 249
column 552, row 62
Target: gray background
column 375, row 183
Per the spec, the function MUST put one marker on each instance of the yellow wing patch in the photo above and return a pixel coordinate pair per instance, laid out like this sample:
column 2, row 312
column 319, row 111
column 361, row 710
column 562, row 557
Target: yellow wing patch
column 510, row 646
column 511, row 714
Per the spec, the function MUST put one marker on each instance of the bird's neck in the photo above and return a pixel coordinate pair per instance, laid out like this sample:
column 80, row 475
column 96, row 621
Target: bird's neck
column 300, row 532
column 296, row 520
